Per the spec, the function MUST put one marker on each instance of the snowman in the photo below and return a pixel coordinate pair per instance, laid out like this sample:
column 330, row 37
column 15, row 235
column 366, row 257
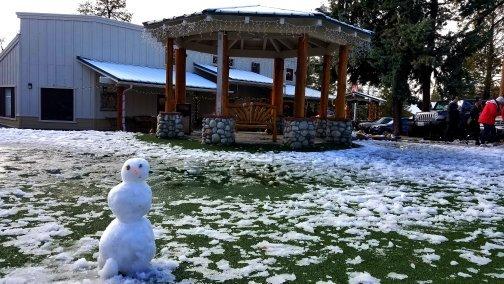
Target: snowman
column 127, row 245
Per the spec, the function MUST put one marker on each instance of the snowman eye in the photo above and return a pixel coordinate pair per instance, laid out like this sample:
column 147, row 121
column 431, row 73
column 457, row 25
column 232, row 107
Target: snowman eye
column 128, row 167
column 140, row 166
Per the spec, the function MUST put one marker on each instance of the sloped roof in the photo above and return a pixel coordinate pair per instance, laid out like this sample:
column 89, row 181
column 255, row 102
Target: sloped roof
column 258, row 9
column 134, row 74
column 252, row 78
column 362, row 96
column 237, row 75
column 259, row 31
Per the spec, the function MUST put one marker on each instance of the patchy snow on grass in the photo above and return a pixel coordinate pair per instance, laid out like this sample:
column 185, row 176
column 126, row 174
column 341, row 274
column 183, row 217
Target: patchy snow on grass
column 280, row 278
column 266, row 210
column 397, row 276
column 472, row 257
column 362, row 278
column 279, row 249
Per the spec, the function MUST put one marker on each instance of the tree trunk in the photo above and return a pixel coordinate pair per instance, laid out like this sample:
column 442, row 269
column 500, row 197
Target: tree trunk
column 400, row 90
column 489, row 58
column 425, row 79
column 502, row 78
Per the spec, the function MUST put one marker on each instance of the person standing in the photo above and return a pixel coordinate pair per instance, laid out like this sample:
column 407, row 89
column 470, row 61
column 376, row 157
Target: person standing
column 453, row 120
column 473, row 124
column 492, row 109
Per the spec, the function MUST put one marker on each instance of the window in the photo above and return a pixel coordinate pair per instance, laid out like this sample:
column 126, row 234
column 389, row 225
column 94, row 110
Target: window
column 108, row 100
column 289, row 74
column 56, row 104
column 7, row 102
column 256, row 67
column 215, row 61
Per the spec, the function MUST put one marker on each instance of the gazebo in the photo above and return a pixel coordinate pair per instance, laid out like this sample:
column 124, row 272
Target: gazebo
column 261, row 32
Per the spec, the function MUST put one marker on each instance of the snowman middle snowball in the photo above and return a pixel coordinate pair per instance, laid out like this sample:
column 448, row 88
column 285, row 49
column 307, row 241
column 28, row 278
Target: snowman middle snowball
column 127, row 245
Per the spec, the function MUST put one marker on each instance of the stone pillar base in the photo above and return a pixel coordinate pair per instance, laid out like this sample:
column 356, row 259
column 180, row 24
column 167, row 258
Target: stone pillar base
column 299, row 133
column 339, row 132
column 218, row 130
column 321, row 128
column 169, row 125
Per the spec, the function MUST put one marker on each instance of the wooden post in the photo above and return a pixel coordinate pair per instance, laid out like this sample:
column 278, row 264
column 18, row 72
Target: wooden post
column 180, row 76
column 221, row 100
column 277, row 93
column 278, row 82
column 119, row 107
column 324, row 92
column 302, row 69
column 170, row 103
column 342, row 78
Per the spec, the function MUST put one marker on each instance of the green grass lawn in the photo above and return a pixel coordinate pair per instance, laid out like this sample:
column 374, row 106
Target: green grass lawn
column 245, row 218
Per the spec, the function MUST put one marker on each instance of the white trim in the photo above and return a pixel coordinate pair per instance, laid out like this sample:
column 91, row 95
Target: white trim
column 73, row 17
column 13, row 44
column 40, row 105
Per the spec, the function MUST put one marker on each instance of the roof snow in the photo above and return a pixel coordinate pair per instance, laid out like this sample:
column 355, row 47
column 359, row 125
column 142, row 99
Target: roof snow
column 142, row 74
column 290, row 90
column 156, row 76
column 258, row 9
column 237, row 74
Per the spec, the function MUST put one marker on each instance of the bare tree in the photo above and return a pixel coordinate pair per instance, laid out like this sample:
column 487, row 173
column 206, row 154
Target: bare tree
column 2, row 41
column 112, row 9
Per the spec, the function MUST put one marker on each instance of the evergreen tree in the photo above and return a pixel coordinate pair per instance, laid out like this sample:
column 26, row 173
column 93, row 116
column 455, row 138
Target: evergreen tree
column 112, row 9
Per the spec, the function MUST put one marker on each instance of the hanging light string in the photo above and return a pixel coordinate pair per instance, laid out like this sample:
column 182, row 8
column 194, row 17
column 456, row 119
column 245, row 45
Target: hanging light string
column 252, row 27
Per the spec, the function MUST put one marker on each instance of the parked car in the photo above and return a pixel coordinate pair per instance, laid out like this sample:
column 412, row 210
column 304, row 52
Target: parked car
column 432, row 124
column 366, row 126
column 388, row 128
column 499, row 127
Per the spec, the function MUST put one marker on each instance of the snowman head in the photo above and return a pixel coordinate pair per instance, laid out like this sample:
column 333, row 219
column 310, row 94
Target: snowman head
column 135, row 170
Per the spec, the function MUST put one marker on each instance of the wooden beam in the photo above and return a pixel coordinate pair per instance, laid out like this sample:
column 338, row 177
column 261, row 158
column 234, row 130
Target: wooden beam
column 119, row 107
column 169, row 95
column 180, row 76
column 318, row 42
column 265, row 41
column 342, row 78
column 286, row 43
column 275, row 45
column 324, row 92
column 301, row 73
column 233, row 43
column 278, row 88
column 222, row 74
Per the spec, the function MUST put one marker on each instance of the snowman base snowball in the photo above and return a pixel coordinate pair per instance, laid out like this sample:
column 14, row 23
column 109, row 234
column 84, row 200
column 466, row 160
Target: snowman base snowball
column 127, row 245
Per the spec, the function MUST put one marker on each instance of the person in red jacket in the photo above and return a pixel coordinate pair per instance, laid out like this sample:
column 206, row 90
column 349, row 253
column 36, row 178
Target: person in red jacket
column 492, row 109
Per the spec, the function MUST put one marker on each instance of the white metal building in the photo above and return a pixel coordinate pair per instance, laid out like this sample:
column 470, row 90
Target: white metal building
column 60, row 72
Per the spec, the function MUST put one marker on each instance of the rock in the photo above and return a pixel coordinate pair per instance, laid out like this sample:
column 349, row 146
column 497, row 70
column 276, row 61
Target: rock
column 212, row 123
column 303, row 125
column 215, row 138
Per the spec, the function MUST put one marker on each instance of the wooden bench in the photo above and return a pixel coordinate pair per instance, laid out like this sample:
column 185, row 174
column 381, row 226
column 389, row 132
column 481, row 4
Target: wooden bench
column 252, row 116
